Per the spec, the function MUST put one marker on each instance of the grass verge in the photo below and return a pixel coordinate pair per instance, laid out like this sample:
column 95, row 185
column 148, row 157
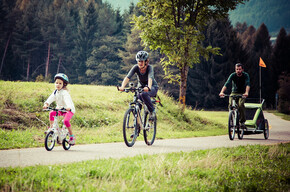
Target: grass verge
column 244, row 168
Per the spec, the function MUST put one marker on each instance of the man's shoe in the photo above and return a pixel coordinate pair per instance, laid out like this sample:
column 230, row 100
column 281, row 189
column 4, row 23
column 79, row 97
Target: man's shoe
column 152, row 115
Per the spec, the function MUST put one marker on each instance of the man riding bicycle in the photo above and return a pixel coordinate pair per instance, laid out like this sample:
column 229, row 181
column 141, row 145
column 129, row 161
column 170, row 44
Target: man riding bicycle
column 240, row 86
column 146, row 80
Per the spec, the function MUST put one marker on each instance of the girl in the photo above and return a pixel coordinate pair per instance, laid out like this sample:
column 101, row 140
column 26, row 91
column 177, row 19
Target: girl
column 63, row 100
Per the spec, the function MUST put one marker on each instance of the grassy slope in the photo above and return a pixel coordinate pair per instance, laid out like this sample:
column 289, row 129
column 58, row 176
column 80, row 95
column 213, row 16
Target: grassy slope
column 98, row 118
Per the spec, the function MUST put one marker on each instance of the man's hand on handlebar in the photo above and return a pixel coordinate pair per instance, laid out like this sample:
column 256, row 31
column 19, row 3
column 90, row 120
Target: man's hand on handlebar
column 121, row 88
column 222, row 95
column 45, row 106
column 245, row 95
column 146, row 89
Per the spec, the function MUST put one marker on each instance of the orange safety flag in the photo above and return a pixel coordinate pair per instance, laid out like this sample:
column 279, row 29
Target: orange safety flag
column 261, row 63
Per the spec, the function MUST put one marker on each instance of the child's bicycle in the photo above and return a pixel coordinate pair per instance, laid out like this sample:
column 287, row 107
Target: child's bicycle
column 56, row 134
column 136, row 118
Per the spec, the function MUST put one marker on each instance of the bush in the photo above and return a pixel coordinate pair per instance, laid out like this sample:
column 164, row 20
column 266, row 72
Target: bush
column 284, row 96
column 39, row 78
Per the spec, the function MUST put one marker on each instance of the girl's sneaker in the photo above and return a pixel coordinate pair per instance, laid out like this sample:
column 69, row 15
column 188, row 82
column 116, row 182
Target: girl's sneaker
column 72, row 140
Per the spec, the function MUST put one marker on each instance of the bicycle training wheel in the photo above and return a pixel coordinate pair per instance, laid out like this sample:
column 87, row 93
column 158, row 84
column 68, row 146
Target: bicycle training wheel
column 149, row 131
column 49, row 141
column 65, row 143
column 231, row 125
column 266, row 129
column 130, row 129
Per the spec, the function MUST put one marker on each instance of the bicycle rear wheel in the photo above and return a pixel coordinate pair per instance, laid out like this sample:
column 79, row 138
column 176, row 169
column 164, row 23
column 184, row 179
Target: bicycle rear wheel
column 130, row 128
column 65, row 143
column 240, row 129
column 231, row 125
column 149, row 131
column 49, row 141
column 266, row 129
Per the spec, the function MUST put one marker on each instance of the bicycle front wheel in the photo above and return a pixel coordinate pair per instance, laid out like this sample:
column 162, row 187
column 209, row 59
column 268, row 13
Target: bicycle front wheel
column 49, row 141
column 149, row 131
column 130, row 128
column 231, row 125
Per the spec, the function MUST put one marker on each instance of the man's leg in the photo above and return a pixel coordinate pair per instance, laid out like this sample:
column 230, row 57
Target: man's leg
column 230, row 102
column 146, row 98
column 242, row 110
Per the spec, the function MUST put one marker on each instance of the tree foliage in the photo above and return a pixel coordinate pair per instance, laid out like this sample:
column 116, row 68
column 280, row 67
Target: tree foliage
column 174, row 27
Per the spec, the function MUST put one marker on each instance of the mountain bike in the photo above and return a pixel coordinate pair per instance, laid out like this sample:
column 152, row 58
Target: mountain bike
column 234, row 115
column 56, row 133
column 136, row 118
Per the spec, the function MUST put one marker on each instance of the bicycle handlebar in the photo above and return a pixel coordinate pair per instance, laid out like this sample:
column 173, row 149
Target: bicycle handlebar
column 54, row 109
column 131, row 89
column 233, row 96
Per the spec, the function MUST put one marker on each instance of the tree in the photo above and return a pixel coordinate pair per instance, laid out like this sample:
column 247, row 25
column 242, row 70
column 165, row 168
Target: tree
column 280, row 56
column 207, row 78
column 174, row 27
column 8, row 18
column 262, row 48
column 87, row 32
column 281, row 50
column 104, row 63
column 284, row 90
column 26, row 37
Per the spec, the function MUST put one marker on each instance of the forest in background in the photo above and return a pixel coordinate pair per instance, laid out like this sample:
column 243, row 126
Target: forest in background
column 94, row 44
column 274, row 13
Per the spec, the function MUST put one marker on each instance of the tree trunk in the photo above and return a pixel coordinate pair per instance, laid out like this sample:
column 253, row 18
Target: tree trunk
column 58, row 66
column 27, row 70
column 47, row 61
column 6, row 47
column 183, row 85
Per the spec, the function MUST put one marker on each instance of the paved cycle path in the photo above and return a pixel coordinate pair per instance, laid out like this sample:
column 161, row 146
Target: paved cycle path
column 279, row 133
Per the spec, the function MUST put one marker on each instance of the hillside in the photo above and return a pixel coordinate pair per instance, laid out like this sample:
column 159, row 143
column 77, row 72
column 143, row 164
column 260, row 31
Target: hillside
column 98, row 118
column 274, row 13
column 121, row 4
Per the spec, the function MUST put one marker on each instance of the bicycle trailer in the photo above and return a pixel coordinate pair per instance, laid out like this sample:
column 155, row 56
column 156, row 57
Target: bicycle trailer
column 255, row 120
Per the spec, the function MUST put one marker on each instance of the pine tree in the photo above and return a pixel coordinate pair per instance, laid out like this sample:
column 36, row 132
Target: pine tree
column 103, row 65
column 87, row 33
column 207, row 78
column 27, row 40
column 262, row 48
column 281, row 56
column 8, row 18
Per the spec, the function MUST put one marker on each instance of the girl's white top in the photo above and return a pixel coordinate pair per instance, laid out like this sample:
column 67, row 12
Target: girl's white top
column 62, row 99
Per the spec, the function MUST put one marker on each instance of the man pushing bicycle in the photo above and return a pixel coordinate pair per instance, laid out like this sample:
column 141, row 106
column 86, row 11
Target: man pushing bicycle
column 240, row 86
